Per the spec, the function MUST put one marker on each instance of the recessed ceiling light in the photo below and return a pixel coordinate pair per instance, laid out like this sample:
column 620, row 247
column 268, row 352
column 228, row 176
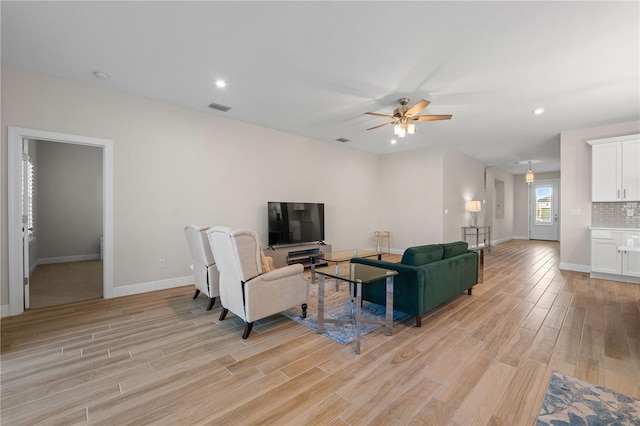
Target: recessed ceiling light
column 100, row 75
column 221, row 83
column 538, row 111
column 393, row 141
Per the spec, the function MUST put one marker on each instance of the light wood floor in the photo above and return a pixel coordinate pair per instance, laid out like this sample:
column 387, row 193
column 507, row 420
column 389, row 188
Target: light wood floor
column 62, row 283
column 160, row 358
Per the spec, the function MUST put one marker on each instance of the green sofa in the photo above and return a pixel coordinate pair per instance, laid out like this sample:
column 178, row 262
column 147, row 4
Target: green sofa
column 428, row 276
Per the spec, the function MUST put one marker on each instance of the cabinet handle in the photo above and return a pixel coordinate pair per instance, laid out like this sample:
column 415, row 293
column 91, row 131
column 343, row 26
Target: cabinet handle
column 624, row 193
column 618, row 193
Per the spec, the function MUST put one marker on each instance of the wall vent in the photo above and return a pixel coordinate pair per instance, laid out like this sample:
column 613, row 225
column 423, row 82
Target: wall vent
column 343, row 140
column 219, row 107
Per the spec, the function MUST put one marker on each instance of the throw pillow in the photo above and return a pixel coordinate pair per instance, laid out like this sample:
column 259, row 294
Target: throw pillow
column 421, row 255
column 454, row 249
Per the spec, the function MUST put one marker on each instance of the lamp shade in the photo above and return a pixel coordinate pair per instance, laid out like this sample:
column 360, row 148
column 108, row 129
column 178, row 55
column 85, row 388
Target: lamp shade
column 473, row 206
column 530, row 176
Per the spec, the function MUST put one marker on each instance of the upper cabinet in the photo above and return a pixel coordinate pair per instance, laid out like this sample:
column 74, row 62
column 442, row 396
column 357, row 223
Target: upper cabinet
column 615, row 165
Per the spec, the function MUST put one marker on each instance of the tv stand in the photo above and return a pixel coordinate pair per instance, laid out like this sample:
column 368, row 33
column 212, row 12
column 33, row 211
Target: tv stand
column 303, row 253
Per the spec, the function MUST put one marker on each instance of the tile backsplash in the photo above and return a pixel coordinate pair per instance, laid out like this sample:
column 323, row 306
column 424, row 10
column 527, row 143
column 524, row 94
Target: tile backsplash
column 615, row 213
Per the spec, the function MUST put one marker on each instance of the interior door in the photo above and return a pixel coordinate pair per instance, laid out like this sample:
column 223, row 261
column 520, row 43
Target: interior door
column 543, row 210
column 27, row 187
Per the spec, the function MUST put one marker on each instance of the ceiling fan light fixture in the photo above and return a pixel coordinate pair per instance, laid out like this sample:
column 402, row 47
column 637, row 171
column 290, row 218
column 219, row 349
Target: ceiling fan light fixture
column 403, row 117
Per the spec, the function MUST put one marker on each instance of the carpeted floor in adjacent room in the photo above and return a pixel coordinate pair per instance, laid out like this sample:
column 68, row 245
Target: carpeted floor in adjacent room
column 61, row 283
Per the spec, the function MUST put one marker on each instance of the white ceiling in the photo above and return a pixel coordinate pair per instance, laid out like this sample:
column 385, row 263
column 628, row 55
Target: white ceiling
column 314, row 68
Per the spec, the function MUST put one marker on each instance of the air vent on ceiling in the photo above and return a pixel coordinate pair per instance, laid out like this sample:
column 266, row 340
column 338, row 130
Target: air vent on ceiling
column 343, row 140
column 219, row 107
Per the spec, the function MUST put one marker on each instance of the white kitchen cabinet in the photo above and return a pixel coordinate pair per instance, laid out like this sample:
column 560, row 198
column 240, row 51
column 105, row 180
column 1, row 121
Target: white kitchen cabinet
column 605, row 256
column 631, row 263
column 615, row 168
column 615, row 252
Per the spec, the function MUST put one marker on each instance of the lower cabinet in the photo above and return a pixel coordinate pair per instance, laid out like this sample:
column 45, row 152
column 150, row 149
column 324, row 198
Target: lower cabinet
column 631, row 263
column 605, row 256
column 609, row 256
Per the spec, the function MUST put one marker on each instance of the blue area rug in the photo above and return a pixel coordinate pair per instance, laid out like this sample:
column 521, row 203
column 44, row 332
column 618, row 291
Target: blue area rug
column 570, row 401
column 337, row 306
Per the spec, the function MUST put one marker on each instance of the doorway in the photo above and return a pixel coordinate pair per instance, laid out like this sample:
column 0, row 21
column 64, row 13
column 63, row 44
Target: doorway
column 66, row 231
column 544, row 200
column 18, row 238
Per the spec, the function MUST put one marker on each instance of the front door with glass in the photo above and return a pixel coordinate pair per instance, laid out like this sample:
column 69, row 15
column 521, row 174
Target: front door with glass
column 543, row 210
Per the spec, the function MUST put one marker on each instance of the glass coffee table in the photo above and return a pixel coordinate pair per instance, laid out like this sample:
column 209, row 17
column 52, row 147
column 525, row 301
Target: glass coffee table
column 340, row 256
column 356, row 275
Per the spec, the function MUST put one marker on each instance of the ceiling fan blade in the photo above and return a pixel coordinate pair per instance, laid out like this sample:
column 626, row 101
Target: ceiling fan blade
column 432, row 117
column 380, row 115
column 417, row 108
column 382, row 125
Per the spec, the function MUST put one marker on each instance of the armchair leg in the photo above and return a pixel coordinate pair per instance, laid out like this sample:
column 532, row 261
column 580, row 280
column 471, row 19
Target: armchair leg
column 197, row 293
column 304, row 310
column 419, row 321
column 469, row 291
column 247, row 329
column 223, row 313
column 212, row 300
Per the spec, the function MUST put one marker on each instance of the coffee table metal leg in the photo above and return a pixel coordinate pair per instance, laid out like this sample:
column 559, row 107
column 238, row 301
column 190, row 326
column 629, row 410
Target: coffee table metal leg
column 313, row 271
column 321, row 304
column 358, row 315
column 388, row 329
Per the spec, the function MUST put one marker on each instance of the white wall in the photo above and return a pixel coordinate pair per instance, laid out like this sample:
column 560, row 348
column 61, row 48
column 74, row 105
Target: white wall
column 463, row 180
column 174, row 166
column 501, row 229
column 410, row 197
column 417, row 187
column 68, row 200
column 575, row 190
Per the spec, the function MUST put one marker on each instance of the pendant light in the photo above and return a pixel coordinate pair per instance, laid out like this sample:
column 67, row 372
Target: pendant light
column 530, row 176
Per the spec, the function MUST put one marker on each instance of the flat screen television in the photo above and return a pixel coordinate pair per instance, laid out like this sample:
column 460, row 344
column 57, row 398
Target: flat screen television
column 295, row 223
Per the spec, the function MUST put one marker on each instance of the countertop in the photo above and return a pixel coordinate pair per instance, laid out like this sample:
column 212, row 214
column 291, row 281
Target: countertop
column 616, row 227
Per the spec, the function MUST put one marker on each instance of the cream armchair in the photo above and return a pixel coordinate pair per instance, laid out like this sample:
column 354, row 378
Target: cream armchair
column 205, row 273
column 244, row 289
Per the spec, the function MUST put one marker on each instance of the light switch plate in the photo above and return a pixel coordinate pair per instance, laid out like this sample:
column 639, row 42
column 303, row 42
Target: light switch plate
column 575, row 212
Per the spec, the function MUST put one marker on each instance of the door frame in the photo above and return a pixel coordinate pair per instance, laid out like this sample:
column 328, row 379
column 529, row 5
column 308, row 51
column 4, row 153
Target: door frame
column 14, row 160
column 530, row 207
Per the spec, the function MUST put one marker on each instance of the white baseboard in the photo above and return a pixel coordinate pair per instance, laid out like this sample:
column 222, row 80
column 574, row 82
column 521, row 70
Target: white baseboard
column 519, row 237
column 65, row 259
column 501, row 240
column 128, row 290
column 614, row 277
column 575, row 267
column 4, row 311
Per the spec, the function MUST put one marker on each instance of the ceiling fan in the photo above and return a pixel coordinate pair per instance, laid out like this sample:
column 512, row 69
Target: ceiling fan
column 404, row 117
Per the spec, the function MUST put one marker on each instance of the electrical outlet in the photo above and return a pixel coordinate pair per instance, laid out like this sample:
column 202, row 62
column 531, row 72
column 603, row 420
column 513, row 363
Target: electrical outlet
column 630, row 212
column 163, row 263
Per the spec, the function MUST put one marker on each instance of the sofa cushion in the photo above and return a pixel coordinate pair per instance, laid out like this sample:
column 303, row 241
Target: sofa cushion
column 421, row 255
column 454, row 249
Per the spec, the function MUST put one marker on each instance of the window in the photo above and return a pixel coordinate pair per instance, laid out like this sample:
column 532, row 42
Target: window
column 28, row 189
column 543, row 205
